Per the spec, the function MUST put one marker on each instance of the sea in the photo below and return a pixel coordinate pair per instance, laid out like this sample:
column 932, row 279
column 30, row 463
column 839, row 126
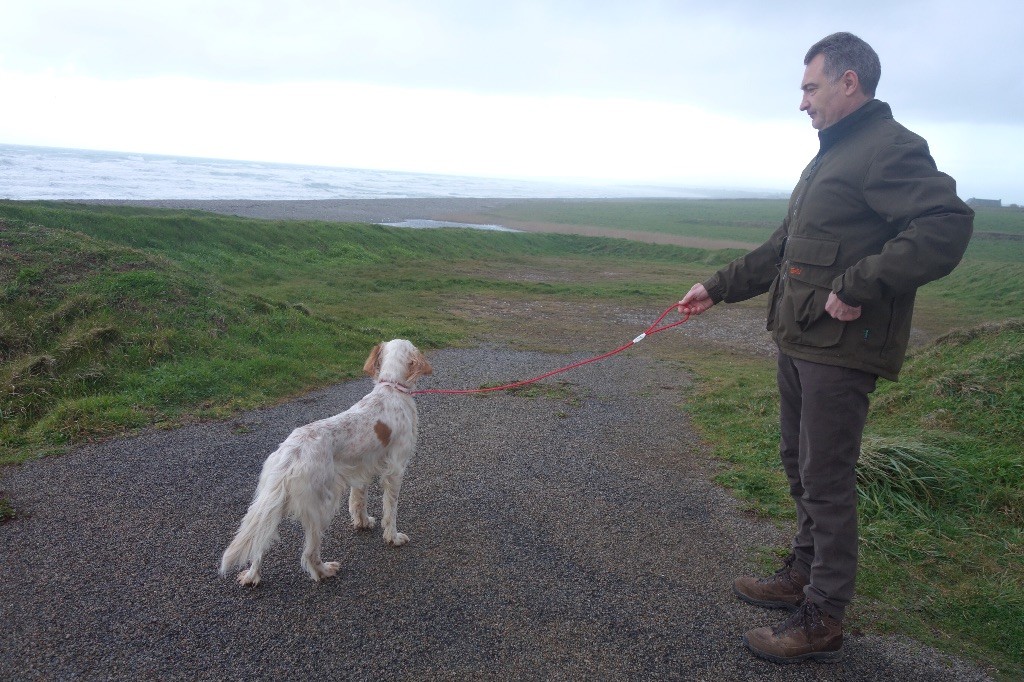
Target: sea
column 77, row 174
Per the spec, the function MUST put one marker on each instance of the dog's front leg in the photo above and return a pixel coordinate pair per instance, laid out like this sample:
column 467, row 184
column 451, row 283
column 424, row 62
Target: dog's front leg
column 357, row 509
column 392, row 486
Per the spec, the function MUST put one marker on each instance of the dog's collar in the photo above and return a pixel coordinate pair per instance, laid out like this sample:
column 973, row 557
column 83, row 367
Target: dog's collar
column 402, row 388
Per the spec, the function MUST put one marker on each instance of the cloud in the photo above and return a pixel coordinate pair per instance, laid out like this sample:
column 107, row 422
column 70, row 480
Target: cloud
column 940, row 58
column 651, row 89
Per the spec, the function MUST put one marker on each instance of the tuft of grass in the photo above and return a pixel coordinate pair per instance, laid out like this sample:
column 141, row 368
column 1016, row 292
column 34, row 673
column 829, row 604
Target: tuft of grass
column 6, row 509
column 909, row 476
column 564, row 391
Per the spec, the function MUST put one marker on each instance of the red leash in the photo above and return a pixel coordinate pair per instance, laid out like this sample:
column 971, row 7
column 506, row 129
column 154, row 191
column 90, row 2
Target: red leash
column 653, row 329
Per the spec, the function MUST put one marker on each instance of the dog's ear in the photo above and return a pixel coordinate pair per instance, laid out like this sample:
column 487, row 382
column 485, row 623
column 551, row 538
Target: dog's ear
column 372, row 366
column 419, row 367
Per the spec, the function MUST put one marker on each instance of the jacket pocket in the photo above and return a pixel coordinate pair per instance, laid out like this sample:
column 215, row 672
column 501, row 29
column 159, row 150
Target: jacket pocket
column 808, row 271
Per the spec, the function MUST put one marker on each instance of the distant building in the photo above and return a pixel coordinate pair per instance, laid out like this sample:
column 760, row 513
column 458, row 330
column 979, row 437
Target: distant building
column 985, row 203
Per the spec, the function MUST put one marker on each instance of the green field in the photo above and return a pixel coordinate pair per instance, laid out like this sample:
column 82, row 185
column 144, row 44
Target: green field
column 746, row 220
column 118, row 318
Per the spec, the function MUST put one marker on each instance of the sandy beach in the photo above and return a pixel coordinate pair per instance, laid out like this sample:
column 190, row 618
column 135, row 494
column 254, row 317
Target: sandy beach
column 481, row 211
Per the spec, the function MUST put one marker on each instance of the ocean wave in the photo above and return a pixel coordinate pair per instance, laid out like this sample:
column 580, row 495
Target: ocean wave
column 75, row 174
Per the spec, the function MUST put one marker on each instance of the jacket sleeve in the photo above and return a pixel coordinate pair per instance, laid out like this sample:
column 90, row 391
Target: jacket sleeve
column 932, row 225
column 749, row 275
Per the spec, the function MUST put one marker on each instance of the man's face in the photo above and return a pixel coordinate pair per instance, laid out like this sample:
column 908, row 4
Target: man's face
column 823, row 101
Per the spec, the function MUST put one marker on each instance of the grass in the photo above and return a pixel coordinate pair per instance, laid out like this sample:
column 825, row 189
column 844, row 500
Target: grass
column 97, row 338
column 118, row 318
column 941, row 483
column 745, row 220
column 947, row 478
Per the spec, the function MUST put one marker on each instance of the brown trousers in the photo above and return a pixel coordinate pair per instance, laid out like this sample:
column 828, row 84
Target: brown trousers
column 822, row 416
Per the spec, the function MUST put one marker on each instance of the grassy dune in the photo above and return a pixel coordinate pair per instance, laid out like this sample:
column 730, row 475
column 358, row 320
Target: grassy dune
column 113, row 319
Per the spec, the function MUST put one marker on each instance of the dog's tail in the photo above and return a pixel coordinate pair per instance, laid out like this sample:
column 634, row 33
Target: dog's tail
column 258, row 530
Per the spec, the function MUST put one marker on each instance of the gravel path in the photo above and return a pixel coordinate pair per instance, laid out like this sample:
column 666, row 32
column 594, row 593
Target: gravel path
column 565, row 533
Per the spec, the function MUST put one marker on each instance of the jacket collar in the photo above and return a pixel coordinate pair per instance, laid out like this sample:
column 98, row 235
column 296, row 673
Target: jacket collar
column 844, row 127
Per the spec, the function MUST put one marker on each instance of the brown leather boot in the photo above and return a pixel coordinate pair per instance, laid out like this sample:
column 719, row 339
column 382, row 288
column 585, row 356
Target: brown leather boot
column 784, row 590
column 808, row 634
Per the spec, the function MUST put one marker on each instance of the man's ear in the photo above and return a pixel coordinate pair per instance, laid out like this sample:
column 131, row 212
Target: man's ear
column 849, row 82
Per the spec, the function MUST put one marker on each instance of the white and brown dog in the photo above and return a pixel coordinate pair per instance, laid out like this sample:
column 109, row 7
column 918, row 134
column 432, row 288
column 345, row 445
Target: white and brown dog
column 306, row 477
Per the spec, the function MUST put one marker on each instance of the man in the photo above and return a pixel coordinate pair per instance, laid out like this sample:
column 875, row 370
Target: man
column 870, row 220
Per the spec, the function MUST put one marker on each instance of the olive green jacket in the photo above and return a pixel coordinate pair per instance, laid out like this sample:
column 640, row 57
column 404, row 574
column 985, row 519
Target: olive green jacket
column 871, row 219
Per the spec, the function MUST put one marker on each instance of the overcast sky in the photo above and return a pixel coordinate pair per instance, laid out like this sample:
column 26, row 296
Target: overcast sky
column 690, row 93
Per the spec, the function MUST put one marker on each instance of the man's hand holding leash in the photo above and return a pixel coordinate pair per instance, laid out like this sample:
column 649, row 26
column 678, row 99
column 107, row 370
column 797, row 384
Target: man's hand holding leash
column 696, row 301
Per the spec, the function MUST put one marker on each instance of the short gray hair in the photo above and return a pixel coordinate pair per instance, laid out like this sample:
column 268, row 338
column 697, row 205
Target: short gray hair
column 846, row 52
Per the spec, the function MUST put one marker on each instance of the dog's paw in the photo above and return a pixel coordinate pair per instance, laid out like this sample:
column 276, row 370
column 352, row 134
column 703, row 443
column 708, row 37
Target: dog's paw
column 248, row 578
column 327, row 569
column 364, row 524
column 397, row 540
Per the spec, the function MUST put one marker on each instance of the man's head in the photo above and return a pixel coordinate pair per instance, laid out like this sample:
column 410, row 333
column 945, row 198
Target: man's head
column 841, row 75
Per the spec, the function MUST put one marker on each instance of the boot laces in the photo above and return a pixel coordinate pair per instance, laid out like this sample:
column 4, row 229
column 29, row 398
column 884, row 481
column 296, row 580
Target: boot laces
column 806, row 618
column 783, row 573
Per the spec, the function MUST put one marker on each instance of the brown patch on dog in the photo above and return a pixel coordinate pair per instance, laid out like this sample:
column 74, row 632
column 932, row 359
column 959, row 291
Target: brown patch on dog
column 383, row 432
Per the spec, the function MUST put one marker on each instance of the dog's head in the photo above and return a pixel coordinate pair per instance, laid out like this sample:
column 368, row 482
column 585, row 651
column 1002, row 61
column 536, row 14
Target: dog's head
column 397, row 360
